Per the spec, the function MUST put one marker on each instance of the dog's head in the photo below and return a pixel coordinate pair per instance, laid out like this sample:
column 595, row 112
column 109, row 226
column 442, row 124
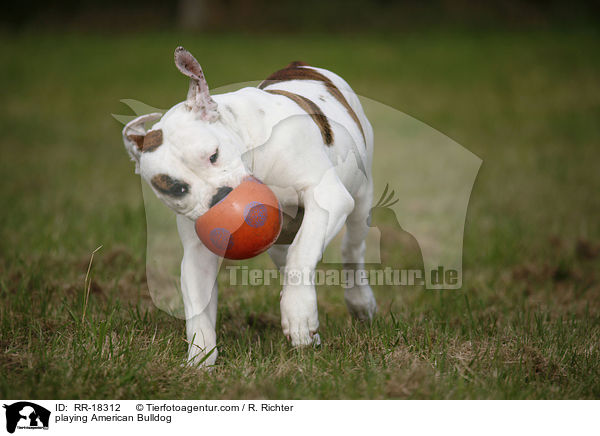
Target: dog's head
column 190, row 158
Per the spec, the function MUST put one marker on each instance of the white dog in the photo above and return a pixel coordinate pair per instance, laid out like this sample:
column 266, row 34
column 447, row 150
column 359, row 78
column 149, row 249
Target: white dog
column 301, row 131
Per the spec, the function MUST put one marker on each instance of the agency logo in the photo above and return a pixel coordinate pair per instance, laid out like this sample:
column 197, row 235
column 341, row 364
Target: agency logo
column 26, row 415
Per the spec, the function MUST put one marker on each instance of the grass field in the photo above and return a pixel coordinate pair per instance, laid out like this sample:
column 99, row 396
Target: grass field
column 525, row 325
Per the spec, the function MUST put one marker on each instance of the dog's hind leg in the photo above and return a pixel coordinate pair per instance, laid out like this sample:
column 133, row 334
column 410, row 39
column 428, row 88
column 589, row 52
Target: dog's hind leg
column 359, row 298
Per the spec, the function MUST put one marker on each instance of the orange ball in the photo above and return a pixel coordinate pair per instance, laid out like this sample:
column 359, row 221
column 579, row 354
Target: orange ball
column 244, row 224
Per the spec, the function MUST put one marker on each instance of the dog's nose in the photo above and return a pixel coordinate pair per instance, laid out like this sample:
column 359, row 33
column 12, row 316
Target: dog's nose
column 222, row 192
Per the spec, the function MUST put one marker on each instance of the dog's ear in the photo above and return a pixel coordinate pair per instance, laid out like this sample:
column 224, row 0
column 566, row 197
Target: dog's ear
column 134, row 134
column 198, row 98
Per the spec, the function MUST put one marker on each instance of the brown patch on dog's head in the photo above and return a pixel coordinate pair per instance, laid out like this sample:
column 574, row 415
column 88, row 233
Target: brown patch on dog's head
column 134, row 134
column 138, row 139
column 167, row 185
column 152, row 141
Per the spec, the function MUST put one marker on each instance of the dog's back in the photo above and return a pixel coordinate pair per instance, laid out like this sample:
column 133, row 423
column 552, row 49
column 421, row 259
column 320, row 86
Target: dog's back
column 327, row 92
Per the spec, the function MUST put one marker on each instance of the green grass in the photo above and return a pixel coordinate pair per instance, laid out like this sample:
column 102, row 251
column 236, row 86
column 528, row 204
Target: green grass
column 525, row 324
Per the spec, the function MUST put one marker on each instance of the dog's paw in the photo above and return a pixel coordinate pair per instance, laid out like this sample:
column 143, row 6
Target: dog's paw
column 299, row 315
column 316, row 342
column 361, row 303
column 202, row 360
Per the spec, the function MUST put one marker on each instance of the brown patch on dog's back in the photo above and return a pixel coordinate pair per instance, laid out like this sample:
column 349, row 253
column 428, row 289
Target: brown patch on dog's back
column 295, row 64
column 313, row 110
column 296, row 71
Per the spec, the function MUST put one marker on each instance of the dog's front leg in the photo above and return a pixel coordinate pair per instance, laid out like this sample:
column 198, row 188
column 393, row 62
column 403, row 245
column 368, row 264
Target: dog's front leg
column 199, row 269
column 326, row 207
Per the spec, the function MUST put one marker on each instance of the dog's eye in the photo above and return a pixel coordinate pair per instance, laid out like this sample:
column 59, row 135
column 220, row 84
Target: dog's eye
column 214, row 156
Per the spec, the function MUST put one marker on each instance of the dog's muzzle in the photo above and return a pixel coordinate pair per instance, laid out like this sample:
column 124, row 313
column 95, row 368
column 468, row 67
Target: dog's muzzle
column 222, row 192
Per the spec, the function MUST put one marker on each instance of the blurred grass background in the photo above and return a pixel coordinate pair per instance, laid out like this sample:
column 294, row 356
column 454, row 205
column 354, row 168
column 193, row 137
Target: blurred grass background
column 524, row 98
